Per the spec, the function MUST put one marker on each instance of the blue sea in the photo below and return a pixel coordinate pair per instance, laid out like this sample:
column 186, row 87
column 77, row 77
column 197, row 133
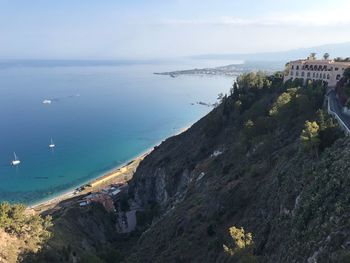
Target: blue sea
column 103, row 114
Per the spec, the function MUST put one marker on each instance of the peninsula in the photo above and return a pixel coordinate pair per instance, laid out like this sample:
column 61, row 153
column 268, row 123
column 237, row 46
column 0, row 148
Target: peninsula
column 232, row 70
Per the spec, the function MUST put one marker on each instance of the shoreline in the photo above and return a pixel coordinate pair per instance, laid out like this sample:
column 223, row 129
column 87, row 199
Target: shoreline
column 120, row 174
column 70, row 192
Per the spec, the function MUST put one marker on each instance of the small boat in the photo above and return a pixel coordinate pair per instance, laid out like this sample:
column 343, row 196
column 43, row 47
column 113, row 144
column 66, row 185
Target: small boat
column 52, row 145
column 15, row 161
column 46, row 101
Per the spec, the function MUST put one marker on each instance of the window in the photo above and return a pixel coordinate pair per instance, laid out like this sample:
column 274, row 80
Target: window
column 336, row 69
column 292, row 66
column 311, row 67
column 338, row 77
column 297, row 73
column 313, row 75
column 308, row 74
column 297, row 67
column 328, row 77
column 324, row 75
column 292, row 73
column 331, row 69
column 317, row 75
column 303, row 74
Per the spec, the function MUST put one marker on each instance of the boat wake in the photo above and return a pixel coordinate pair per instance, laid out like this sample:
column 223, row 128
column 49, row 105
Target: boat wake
column 49, row 101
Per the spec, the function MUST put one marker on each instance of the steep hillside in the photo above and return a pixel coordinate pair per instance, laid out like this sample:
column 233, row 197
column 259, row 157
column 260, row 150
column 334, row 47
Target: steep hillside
column 21, row 232
column 246, row 165
column 264, row 177
column 84, row 235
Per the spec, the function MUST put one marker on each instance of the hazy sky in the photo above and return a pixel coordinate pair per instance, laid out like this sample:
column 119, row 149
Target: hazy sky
column 164, row 28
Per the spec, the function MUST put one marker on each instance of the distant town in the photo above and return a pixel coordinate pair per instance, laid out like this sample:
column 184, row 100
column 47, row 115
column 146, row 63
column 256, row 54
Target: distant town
column 232, row 70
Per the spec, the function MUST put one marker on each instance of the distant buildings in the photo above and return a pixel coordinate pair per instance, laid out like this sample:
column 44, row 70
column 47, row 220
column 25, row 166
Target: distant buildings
column 312, row 69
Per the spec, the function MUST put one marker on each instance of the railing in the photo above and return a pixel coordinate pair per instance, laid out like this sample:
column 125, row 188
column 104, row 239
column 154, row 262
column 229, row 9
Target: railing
column 340, row 121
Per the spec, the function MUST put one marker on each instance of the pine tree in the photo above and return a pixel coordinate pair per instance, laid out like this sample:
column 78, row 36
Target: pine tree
column 310, row 136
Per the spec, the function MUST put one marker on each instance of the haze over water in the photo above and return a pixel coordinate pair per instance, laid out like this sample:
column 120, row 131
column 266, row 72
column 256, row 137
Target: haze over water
column 101, row 116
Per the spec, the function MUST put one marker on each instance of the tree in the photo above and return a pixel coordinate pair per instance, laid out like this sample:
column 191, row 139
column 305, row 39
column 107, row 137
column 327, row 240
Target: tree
column 346, row 74
column 326, row 56
column 15, row 220
column 287, row 68
column 5, row 221
column 281, row 101
column 321, row 119
column 310, row 136
column 28, row 232
column 312, row 56
column 249, row 128
column 221, row 97
column 234, row 91
column 242, row 245
column 303, row 103
column 338, row 59
column 253, row 80
column 237, row 106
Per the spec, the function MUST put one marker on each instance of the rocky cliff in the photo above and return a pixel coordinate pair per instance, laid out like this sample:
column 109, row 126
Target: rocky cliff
column 244, row 165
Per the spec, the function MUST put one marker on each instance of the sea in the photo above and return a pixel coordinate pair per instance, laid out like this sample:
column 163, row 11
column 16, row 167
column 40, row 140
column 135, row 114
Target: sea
column 102, row 114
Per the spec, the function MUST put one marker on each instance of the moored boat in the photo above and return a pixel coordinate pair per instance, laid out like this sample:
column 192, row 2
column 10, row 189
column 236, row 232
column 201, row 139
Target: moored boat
column 15, row 161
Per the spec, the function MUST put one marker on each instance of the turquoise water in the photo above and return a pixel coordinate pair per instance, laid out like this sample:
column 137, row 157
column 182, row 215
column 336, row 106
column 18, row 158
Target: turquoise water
column 101, row 115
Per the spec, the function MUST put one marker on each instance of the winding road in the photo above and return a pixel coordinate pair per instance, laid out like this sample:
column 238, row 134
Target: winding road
column 335, row 109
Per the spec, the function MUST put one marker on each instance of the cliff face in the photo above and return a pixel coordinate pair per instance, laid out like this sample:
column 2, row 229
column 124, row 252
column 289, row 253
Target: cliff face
column 223, row 172
column 163, row 178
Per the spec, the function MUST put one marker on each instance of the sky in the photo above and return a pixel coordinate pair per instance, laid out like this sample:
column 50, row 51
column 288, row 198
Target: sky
column 114, row 29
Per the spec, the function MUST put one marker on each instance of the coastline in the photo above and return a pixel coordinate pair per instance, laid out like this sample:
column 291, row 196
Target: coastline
column 120, row 174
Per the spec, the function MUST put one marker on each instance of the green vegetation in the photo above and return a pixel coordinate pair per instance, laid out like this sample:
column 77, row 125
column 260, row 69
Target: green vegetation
column 83, row 235
column 14, row 220
column 345, row 85
column 241, row 249
column 340, row 59
column 310, row 137
column 271, row 133
column 281, row 101
column 145, row 217
column 28, row 232
column 255, row 80
column 312, row 55
column 241, row 241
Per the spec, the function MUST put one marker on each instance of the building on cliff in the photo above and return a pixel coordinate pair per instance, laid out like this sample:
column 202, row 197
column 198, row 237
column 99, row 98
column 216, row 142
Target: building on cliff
column 313, row 69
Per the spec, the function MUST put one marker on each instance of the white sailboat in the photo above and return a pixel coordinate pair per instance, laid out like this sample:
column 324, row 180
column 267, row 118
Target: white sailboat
column 15, row 161
column 52, row 145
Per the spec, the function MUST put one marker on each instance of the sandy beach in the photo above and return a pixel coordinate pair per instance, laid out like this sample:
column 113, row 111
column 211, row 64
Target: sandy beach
column 119, row 175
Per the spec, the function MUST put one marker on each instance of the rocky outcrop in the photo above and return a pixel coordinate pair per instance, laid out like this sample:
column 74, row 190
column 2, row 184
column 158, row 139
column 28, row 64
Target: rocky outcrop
column 165, row 175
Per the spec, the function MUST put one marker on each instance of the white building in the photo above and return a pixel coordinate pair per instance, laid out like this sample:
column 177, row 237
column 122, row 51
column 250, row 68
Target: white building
column 312, row 69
